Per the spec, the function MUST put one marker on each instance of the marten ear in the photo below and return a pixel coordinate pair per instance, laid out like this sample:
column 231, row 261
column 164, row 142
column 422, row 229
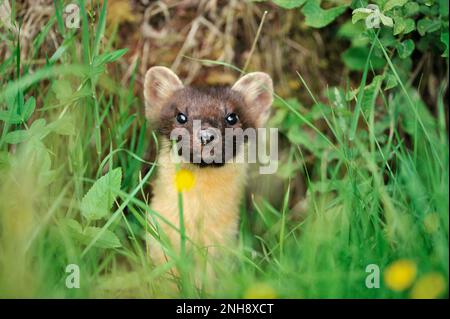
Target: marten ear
column 257, row 90
column 159, row 85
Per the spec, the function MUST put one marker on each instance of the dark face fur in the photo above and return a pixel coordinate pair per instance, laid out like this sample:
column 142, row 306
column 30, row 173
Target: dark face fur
column 216, row 109
column 198, row 118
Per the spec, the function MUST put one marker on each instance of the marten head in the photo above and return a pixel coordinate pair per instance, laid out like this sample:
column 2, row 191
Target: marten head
column 199, row 119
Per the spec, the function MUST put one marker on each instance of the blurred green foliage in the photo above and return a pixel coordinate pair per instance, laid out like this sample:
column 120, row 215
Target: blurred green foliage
column 373, row 157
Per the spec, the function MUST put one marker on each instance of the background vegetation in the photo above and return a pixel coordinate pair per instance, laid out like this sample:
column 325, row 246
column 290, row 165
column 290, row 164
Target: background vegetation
column 363, row 119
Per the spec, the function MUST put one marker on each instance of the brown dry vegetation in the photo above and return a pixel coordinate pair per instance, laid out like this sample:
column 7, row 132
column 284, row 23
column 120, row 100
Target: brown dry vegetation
column 171, row 32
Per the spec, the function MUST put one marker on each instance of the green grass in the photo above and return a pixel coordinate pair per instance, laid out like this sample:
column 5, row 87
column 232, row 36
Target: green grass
column 380, row 172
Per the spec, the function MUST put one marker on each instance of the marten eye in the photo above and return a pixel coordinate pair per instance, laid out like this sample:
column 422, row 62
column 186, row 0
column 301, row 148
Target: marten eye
column 231, row 118
column 181, row 118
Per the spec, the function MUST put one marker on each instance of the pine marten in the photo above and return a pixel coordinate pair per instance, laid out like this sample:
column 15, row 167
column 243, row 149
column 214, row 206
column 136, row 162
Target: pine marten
column 211, row 206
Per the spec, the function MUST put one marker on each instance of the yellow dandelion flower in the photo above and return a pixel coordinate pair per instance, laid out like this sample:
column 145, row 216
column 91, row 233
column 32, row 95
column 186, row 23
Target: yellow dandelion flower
column 431, row 223
column 429, row 286
column 400, row 274
column 184, row 180
column 260, row 291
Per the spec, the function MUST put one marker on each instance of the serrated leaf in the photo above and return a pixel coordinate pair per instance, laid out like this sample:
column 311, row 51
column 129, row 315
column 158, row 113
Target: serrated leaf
column 289, row 4
column 98, row 201
column 394, row 3
column 106, row 240
column 72, row 225
column 317, row 17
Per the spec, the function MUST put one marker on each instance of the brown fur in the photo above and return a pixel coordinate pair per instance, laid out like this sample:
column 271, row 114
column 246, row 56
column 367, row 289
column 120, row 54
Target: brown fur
column 211, row 206
column 210, row 105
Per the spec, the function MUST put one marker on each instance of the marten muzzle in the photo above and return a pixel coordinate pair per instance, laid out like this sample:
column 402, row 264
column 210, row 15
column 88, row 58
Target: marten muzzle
column 206, row 135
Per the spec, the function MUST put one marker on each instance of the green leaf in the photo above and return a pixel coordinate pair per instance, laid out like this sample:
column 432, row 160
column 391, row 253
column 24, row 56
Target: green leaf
column 355, row 59
column 444, row 39
column 427, row 25
column 59, row 15
column 107, row 239
column 371, row 92
column 16, row 137
column 62, row 90
column 443, row 8
column 354, row 33
column 109, row 57
column 100, row 30
column 28, row 108
column 387, row 21
column 39, row 129
column 314, row 143
column 10, row 118
column 399, row 25
column 391, row 81
column 350, row 30
column 317, row 17
column 25, row 109
column 405, row 48
column 411, row 8
column 99, row 199
column 403, row 26
column 394, row 3
column 360, row 14
column 61, row 49
column 410, row 25
column 72, row 225
column 289, row 4
column 63, row 126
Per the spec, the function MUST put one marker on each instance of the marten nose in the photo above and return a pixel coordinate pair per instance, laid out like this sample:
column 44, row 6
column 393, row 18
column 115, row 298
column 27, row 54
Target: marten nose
column 206, row 136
